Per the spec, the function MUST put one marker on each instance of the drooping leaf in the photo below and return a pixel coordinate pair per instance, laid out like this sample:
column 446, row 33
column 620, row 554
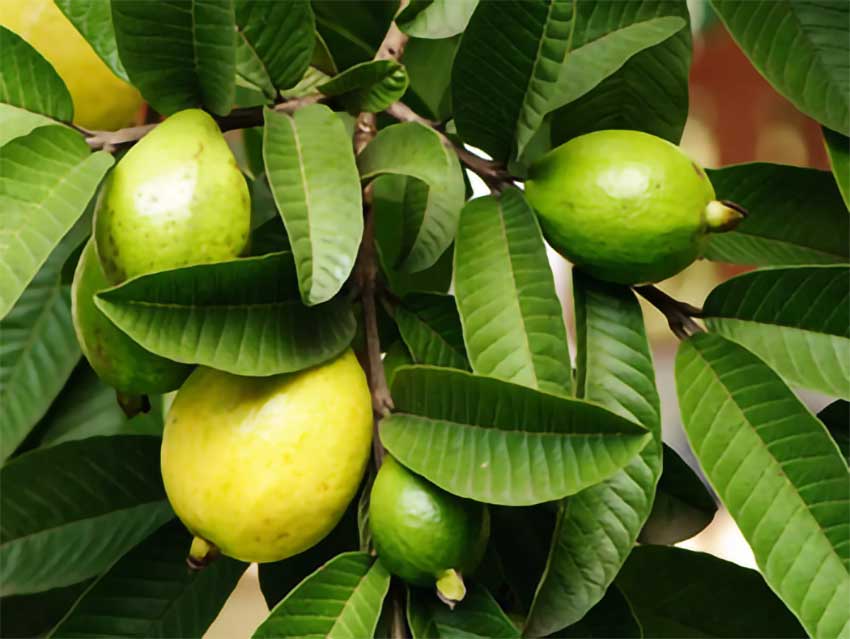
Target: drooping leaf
column 512, row 319
column 353, row 30
column 93, row 19
column 598, row 527
column 430, row 327
column 180, row 55
column 838, row 149
column 677, row 593
column 795, row 216
column 341, row 600
column 797, row 319
column 369, row 86
column 417, row 151
column 280, row 34
column 310, row 165
column 682, row 508
column 15, row 122
column 242, row 316
column 150, row 593
column 501, row 443
column 29, row 82
column 477, row 616
column 801, row 47
column 436, row 19
column 774, row 466
column 611, row 617
column 506, row 71
column 46, row 180
column 836, row 418
column 69, row 511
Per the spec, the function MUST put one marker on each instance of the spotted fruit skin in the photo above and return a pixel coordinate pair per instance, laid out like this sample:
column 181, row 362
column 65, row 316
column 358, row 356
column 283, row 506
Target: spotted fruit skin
column 624, row 206
column 264, row 467
column 176, row 199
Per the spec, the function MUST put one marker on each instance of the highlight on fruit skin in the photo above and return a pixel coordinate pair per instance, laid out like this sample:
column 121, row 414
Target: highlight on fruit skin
column 263, row 468
column 425, row 535
column 625, row 206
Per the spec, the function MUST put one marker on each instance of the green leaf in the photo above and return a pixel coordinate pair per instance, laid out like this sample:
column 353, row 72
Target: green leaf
column 683, row 507
column 93, row 19
column 252, row 75
column 180, row 55
column 801, row 47
column 436, row 19
column 836, row 418
column 838, row 149
column 71, row 510
column 506, row 71
column 35, row 614
column 777, row 471
column 611, row 617
column 796, row 319
column 512, row 319
column 430, row 327
column 417, row 151
column 501, row 443
column 150, row 593
column 353, row 30
column 311, row 169
column 795, row 216
column 46, row 180
column 281, row 36
column 341, row 600
column 430, row 93
column 598, row 527
column 478, row 615
column 29, row 82
column 15, row 122
column 677, row 593
column 242, row 316
column 368, row 86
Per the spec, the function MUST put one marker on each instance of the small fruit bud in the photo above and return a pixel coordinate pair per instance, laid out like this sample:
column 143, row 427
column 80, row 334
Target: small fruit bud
column 450, row 588
column 723, row 215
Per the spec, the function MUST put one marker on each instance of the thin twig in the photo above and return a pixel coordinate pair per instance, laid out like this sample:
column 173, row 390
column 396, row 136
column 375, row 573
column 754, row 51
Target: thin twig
column 679, row 314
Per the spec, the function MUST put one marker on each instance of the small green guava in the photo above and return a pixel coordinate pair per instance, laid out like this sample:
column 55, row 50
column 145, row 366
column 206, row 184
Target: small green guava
column 176, row 199
column 117, row 359
column 423, row 534
column 626, row 206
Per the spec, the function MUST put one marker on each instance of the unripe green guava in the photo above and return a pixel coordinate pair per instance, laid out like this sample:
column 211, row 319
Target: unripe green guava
column 117, row 359
column 626, row 206
column 177, row 198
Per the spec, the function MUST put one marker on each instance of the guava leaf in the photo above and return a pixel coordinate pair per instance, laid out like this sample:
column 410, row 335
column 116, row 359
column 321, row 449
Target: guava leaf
column 501, row 443
column 71, row 510
column 313, row 177
column 15, row 122
column 29, row 82
column 417, row 151
column 241, row 316
column 838, row 149
column 512, row 319
column 611, row 617
column 436, row 19
column 797, row 319
column 430, row 327
column 341, row 599
column 93, row 19
column 477, row 616
column 368, row 86
column 836, row 418
column 795, row 216
column 598, row 527
column 672, row 603
column 430, row 94
column 150, row 593
column 801, row 47
column 352, row 31
column 778, row 472
column 179, row 53
column 33, row 615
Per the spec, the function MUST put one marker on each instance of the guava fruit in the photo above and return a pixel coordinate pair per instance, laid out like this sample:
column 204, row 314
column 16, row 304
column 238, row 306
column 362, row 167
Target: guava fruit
column 176, row 198
column 115, row 357
column 423, row 534
column 101, row 99
column 262, row 468
column 626, row 206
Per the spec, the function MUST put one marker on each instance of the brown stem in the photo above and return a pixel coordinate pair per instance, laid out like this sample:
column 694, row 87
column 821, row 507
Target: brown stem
column 679, row 314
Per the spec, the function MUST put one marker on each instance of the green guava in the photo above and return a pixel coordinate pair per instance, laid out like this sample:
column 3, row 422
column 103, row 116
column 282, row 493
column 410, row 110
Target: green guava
column 176, row 198
column 423, row 534
column 626, row 206
column 117, row 359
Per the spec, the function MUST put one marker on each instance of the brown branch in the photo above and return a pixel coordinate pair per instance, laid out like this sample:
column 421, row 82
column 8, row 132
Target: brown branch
column 679, row 314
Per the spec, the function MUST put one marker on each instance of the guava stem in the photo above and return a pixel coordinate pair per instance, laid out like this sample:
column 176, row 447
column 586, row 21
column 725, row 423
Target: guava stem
column 723, row 215
column 133, row 405
column 450, row 587
column 201, row 553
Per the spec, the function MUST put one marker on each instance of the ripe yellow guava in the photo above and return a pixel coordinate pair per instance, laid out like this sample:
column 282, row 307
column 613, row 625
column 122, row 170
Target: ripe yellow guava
column 101, row 99
column 262, row 468
column 177, row 198
column 626, row 206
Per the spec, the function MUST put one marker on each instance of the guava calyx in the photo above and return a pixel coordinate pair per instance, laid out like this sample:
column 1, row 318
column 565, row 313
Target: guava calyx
column 450, row 588
column 201, row 554
column 132, row 404
column 722, row 216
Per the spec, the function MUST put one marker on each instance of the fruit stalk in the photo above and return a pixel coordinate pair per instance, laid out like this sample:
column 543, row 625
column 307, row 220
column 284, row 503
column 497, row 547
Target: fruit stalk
column 679, row 314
